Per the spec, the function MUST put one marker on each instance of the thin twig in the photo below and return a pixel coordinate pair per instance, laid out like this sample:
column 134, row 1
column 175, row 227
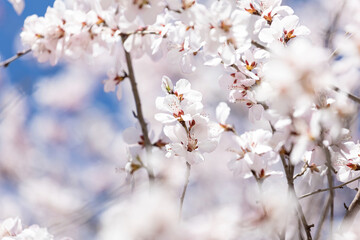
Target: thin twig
column 172, row 10
column 283, row 231
column 335, row 52
column 322, row 219
column 349, row 95
column 139, row 113
column 332, row 27
column 327, row 189
column 7, row 62
column 141, row 32
column 300, row 233
column 289, row 171
column 235, row 67
column 188, row 168
column 351, row 212
column 331, row 187
column 88, row 210
column 258, row 45
column 304, row 168
column 306, row 226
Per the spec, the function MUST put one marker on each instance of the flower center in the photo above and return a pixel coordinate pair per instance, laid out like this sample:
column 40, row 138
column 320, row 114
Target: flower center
column 288, row 35
column 252, row 10
column 225, row 25
column 141, row 3
column 186, row 4
column 192, row 144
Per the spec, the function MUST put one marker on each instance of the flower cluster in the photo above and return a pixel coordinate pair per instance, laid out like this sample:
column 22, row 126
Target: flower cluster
column 12, row 229
column 255, row 54
column 192, row 133
column 254, row 155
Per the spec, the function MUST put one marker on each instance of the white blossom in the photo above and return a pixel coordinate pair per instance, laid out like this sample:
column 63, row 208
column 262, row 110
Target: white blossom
column 191, row 142
column 254, row 155
column 283, row 30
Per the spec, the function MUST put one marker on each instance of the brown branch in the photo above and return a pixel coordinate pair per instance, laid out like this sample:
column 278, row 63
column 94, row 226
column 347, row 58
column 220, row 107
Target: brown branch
column 88, row 210
column 141, row 32
column 335, row 52
column 139, row 113
column 289, row 172
column 235, row 67
column 306, row 226
column 331, row 186
column 299, row 227
column 349, row 95
column 329, row 35
column 7, row 62
column 188, row 168
column 305, row 167
column 322, row 219
column 173, row 10
column 327, row 189
column 258, row 45
column 351, row 212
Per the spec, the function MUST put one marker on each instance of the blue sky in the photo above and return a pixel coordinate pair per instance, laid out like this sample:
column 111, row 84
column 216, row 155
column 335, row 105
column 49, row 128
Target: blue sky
column 21, row 73
column 10, row 27
column 24, row 73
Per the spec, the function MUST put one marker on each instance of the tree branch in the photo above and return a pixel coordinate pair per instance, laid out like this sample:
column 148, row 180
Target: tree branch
column 258, row 45
column 304, row 168
column 188, row 168
column 289, row 171
column 139, row 113
column 331, row 187
column 329, row 34
column 349, row 95
column 322, row 219
column 351, row 212
column 7, row 62
column 327, row 189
